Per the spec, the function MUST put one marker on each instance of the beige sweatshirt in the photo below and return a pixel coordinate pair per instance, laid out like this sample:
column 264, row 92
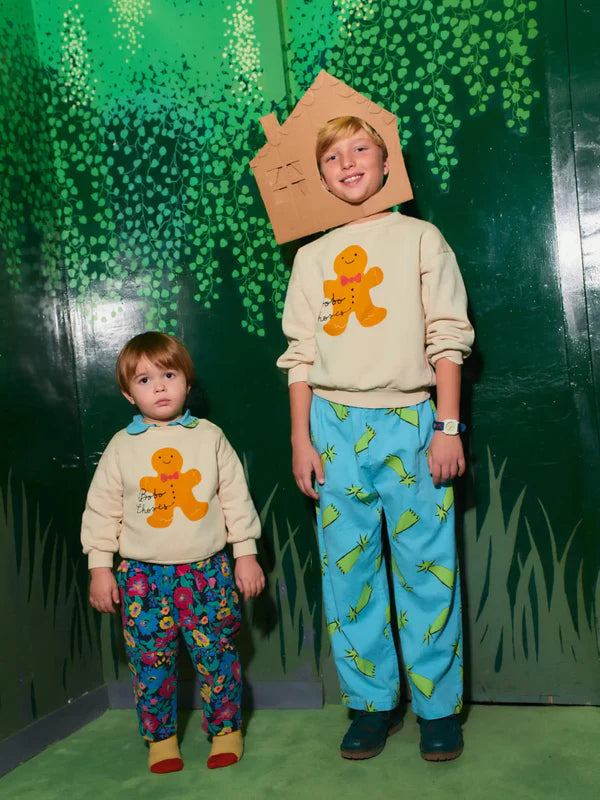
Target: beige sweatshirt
column 369, row 310
column 170, row 495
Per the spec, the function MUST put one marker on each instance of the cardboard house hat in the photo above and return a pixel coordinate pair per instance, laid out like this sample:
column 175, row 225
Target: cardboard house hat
column 286, row 169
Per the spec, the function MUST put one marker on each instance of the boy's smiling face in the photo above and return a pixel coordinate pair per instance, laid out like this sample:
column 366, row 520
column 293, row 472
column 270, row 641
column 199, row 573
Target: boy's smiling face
column 158, row 392
column 353, row 168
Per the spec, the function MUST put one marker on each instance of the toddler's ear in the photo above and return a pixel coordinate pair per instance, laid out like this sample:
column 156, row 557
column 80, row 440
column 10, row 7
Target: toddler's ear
column 128, row 397
column 386, row 166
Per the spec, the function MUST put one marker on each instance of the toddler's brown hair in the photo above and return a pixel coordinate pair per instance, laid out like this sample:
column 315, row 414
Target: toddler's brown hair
column 161, row 349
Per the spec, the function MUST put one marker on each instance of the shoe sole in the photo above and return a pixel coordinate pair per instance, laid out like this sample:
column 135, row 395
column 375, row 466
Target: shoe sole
column 361, row 755
column 442, row 756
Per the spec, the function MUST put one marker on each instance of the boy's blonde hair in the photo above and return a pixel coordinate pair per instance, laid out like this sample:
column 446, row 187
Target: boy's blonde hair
column 342, row 128
column 160, row 349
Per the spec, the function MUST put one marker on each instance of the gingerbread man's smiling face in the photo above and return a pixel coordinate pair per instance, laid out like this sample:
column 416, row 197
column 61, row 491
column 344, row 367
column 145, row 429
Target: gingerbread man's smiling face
column 350, row 262
column 167, row 460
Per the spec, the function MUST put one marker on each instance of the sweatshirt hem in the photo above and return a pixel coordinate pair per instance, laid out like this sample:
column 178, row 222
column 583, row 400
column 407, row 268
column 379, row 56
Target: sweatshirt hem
column 373, row 399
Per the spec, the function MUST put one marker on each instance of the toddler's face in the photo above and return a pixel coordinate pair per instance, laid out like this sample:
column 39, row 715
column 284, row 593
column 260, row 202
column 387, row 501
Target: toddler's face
column 353, row 169
column 158, row 392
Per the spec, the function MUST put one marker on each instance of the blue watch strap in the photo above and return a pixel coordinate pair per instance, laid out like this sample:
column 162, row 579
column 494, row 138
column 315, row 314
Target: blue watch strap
column 439, row 426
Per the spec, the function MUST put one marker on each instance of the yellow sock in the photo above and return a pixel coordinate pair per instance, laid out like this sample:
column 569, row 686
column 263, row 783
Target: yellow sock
column 226, row 749
column 164, row 756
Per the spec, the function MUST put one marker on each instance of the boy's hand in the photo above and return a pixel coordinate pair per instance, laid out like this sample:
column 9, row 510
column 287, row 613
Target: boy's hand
column 446, row 458
column 103, row 590
column 249, row 577
column 305, row 461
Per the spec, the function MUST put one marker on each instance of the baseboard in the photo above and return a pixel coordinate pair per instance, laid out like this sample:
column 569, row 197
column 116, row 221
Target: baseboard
column 31, row 740
column 257, row 694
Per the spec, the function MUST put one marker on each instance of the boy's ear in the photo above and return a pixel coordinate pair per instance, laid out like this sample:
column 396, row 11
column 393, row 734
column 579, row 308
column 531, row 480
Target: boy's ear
column 386, row 166
column 324, row 182
column 128, row 397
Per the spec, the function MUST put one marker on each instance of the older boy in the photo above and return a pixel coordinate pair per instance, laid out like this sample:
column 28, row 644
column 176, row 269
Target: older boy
column 375, row 315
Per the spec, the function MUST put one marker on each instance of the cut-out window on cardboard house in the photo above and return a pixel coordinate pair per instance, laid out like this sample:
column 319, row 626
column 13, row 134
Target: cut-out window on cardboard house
column 286, row 169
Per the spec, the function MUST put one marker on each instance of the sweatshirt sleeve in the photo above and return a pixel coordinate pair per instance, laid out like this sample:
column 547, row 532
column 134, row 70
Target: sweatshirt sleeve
column 299, row 321
column 448, row 332
column 241, row 519
column 101, row 522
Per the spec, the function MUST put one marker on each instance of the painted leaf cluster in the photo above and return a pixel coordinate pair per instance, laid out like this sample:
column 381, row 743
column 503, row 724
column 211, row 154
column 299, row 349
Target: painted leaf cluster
column 132, row 170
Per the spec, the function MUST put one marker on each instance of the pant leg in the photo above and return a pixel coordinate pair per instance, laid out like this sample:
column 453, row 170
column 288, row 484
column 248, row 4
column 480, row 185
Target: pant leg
column 355, row 588
column 209, row 615
column 420, row 519
column 150, row 636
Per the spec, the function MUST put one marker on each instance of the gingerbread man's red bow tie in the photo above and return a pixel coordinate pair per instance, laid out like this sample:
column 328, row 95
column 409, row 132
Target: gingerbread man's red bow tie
column 356, row 279
column 164, row 478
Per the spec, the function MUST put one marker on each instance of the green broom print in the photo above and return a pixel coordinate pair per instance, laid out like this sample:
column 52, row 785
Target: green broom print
column 364, row 440
column 330, row 514
column 363, row 602
column 447, row 501
column 406, row 521
column 347, row 561
column 400, row 576
column 362, row 664
column 410, row 415
column 328, row 455
column 334, row 627
column 341, row 411
column 425, row 685
column 443, row 574
column 437, row 625
column 357, row 491
column 324, row 564
column 395, row 462
column 388, row 619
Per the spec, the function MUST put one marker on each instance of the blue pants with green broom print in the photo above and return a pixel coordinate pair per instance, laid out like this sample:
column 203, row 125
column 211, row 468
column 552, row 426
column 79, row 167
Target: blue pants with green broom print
column 375, row 463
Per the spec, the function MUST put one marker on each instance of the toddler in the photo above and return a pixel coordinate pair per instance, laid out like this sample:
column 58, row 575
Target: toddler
column 168, row 494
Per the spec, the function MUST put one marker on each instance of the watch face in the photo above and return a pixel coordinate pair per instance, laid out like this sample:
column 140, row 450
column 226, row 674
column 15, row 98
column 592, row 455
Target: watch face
column 451, row 426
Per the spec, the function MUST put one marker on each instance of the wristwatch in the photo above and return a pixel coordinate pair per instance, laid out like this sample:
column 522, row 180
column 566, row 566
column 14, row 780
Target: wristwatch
column 450, row 426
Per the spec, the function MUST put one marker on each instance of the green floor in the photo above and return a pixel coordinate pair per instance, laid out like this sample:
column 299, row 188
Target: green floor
column 511, row 752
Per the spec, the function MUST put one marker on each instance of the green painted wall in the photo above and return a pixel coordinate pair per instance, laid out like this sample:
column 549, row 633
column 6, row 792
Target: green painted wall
column 127, row 203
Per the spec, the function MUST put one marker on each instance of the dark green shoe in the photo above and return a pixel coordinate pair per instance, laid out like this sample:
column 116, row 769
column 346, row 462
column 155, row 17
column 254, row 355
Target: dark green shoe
column 441, row 739
column 368, row 732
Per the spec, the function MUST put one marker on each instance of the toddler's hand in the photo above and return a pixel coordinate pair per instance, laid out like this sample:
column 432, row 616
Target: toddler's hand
column 446, row 458
column 305, row 461
column 103, row 589
column 249, row 577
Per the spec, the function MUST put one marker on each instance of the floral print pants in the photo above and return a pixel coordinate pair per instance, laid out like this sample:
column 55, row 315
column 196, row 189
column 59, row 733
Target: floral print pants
column 200, row 601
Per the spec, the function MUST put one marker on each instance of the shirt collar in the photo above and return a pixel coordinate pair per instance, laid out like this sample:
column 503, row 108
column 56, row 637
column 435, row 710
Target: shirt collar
column 137, row 425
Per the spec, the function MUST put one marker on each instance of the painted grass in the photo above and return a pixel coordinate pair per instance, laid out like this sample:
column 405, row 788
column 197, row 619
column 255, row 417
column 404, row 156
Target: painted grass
column 51, row 632
column 285, row 645
column 528, row 645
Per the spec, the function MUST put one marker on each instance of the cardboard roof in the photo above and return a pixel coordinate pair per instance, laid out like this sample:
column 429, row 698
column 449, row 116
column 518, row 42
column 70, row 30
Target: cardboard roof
column 286, row 168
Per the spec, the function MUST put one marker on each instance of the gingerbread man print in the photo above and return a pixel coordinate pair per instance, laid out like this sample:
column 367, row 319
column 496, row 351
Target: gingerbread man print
column 350, row 292
column 172, row 488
